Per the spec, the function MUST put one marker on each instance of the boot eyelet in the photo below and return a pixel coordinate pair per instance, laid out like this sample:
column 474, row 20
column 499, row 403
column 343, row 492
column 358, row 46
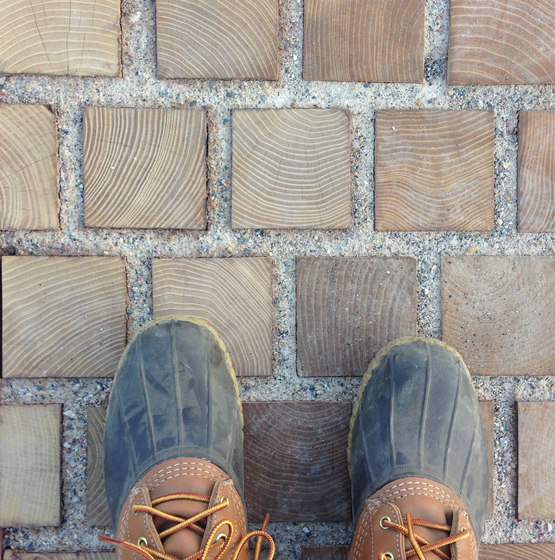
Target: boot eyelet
column 382, row 519
column 388, row 556
column 141, row 541
column 225, row 500
column 134, row 511
column 221, row 536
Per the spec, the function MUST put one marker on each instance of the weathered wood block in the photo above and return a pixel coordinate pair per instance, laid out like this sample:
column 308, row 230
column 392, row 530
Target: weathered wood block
column 30, row 439
column 28, row 168
column 62, row 316
column 234, row 295
column 97, row 504
column 434, row 170
column 291, row 169
column 537, row 551
column 487, row 410
column 348, row 308
column 364, row 41
column 497, row 311
column 144, row 168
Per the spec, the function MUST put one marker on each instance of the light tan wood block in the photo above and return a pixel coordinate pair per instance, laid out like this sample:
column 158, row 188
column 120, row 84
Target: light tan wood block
column 28, row 168
column 434, row 170
column 537, row 551
column 364, row 41
column 497, row 311
column 536, row 460
column 500, row 42
column 62, row 37
column 62, row 316
column 97, row 504
column 221, row 39
column 536, row 171
column 30, row 441
column 291, row 169
column 487, row 410
column 17, row 555
column 348, row 308
column 234, row 295
column 145, row 168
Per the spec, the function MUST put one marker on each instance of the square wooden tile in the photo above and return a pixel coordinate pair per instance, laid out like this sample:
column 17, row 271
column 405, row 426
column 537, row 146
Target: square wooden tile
column 62, row 316
column 498, row 313
column 234, row 295
column 434, row 170
column 28, row 167
column 222, row 39
column 291, row 169
column 536, row 460
column 66, row 37
column 364, row 41
column 500, row 42
column 98, row 513
column 537, row 551
column 30, row 465
column 145, row 168
column 348, row 308
column 536, row 171
column 296, row 461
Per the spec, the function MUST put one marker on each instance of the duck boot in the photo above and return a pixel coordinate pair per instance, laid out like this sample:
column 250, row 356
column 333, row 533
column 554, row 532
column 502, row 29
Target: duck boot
column 173, row 448
column 417, row 456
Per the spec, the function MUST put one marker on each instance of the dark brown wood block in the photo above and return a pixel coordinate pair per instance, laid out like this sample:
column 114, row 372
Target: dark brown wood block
column 536, row 171
column 349, row 308
column 325, row 552
column 296, row 461
column 97, row 504
column 537, row 551
column 497, row 311
column 487, row 409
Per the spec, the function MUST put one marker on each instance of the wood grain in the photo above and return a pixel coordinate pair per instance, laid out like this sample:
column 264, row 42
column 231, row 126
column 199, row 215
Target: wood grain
column 145, row 168
column 537, row 551
column 30, row 481
column 234, row 295
column 536, row 171
column 97, row 504
column 498, row 312
column 62, row 316
column 500, row 42
column 291, row 169
column 28, row 168
column 325, row 552
column 222, row 39
column 364, row 41
column 487, row 410
column 536, row 460
column 434, row 170
column 296, row 461
column 62, row 37
column 18, row 555
column 348, row 308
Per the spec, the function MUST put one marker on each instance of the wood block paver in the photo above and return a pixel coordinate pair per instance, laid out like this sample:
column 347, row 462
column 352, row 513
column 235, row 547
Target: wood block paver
column 497, row 311
column 536, row 171
column 97, row 504
column 62, row 37
column 536, row 460
column 222, row 39
column 500, row 42
column 145, row 168
column 296, row 461
column 325, row 552
column 537, row 551
column 62, row 316
column 487, row 410
column 291, row 169
column 434, row 170
column 234, row 295
column 28, row 168
column 18, row 555
column 349, row 308
column 364, row 41
column 30, row 440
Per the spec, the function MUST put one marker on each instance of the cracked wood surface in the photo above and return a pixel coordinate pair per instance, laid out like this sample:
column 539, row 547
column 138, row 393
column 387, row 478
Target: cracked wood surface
column 97, row 504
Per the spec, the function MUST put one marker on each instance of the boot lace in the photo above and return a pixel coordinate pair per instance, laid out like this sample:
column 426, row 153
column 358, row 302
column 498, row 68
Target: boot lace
column 219, row 539
column 420, row 545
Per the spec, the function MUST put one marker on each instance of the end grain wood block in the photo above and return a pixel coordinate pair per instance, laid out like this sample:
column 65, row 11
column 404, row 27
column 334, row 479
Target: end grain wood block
column 18, row 555
column 487, row 410
column 536, row 460
column 537, row 551
column 434, row 170
column 28, row 169
column 234, row 295
column 62, row 37
column 145, row 168
column 291, row 169
column 62, row 316
column 536, row 171
column 296, row 461
column 97, row 504
column 500, row 42
column 364, row 41
column 222, row 39
column 349, row 308
column 325, row 552
column 498, row 313
column 30, row 465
